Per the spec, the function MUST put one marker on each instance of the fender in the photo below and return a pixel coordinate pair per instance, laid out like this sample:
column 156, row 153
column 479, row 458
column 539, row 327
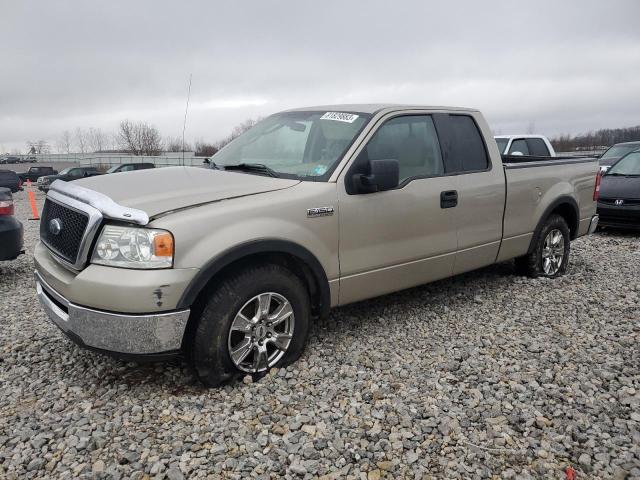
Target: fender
column 242, row 250
column 565, row 199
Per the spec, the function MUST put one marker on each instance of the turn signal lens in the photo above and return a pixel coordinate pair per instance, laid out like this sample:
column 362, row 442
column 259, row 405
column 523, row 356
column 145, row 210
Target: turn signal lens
column 163, row 245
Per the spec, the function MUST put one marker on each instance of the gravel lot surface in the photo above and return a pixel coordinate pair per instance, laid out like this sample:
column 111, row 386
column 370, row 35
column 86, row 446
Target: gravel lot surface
column 484, row 375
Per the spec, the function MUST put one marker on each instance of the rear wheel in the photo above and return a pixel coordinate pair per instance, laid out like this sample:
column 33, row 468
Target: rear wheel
column 550, row 256
column 256, row 319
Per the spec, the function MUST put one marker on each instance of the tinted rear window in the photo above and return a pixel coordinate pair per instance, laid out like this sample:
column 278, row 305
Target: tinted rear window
column 467, row 148
column 538, row 147
column 8, row 176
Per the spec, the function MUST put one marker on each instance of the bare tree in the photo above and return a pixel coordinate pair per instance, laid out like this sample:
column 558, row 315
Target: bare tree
column 204, row 149
column 531, row 128
column 97, row 140
column 81, row 140
column 237, row 131
column 174, row 144
column 139, row 138
column 40, row 146
column 64, row 142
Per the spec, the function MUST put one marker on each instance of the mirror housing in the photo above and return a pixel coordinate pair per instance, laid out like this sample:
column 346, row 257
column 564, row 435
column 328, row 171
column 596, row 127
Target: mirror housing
column 383, row 175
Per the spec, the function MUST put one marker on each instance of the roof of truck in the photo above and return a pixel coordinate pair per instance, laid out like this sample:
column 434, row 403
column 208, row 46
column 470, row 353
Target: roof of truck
column 526, row 135
column 376, row 107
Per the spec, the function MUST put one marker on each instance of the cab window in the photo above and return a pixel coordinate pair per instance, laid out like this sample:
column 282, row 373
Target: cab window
column 412, row 141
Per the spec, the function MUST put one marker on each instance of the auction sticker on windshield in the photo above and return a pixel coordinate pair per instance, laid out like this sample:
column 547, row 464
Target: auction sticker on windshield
column 339, row 117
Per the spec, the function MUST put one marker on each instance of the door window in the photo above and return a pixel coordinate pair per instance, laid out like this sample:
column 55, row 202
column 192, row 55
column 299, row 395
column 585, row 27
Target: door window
column 412, row 141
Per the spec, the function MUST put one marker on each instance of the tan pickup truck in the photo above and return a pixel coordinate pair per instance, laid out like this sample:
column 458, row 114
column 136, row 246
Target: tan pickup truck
column 310, row 209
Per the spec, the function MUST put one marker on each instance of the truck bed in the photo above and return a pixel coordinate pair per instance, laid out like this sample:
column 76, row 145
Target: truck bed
column 534, row 185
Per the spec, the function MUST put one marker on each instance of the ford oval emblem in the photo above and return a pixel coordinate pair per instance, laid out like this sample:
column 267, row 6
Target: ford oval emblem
column 55, row 226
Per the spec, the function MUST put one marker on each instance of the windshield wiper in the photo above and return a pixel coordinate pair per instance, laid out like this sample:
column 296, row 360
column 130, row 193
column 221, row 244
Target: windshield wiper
column 259, row 168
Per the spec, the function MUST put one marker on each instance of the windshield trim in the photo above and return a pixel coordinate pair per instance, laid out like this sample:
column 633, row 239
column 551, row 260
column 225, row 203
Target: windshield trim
column 326, row 176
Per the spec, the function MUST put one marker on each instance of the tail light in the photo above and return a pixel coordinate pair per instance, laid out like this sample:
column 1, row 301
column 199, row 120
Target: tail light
column 596, row 189
column 6, row 207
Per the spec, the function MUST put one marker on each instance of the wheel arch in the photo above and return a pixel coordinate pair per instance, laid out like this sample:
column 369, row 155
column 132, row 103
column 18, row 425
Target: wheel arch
column 567, row 208
column 292, row 255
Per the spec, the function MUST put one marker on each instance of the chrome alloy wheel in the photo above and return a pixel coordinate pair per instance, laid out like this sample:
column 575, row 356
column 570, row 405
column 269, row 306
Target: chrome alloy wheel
column 261, row 332
column 553, row 252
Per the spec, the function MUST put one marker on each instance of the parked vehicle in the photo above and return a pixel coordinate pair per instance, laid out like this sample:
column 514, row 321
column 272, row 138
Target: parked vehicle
column 616, row 152
column 130, row 167
column 310, row 209
column 30, row 159
column 68, row 175
column 11, row 232
column 34, row 173
column 619, row 202
column 533, row 145
column 10, row 179
column 10, row 159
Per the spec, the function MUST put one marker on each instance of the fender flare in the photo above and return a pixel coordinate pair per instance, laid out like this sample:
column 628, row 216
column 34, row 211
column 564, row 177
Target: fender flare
column 226, row 258
column 565, row 199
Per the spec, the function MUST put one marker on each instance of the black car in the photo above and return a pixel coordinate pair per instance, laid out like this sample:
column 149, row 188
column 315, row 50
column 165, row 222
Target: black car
column 68, row 175
column 616, row 152
column 619, row 202
column 130, row 167
column 11, row 232
column 10, row 160
column 10, row 179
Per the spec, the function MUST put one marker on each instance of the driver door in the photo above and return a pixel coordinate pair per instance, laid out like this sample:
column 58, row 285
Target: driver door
column 403, row 237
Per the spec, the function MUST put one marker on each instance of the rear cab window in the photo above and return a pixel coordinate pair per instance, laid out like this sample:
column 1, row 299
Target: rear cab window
column 519, row 145
column 537, row 147
column 462, row 144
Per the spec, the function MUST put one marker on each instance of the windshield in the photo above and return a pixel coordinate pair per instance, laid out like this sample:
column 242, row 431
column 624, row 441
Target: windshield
column 619, row 150
column 65, row 171
column 305, row 145
column 502, row 144
column 629, row 165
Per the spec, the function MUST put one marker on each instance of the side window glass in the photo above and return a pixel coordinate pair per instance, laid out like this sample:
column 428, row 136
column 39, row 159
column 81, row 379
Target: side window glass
column 467, row 148
column 412, row 141
column 127, row 168
column 75, row 172
column 519, row 145
column 538, row 147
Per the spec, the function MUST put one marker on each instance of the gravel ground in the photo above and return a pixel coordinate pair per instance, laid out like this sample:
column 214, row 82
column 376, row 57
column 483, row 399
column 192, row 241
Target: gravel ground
column 484, row 375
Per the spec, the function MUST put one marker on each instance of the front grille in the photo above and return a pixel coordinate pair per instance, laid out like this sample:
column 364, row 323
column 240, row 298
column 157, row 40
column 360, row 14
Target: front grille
column 73, row 225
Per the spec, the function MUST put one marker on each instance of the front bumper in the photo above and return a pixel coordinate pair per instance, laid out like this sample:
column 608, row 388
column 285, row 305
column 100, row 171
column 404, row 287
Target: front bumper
column 156, row 334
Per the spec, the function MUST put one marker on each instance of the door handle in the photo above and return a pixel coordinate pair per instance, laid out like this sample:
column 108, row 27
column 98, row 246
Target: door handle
column 449, row 199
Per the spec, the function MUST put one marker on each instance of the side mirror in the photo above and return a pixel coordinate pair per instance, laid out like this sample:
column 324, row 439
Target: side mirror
column 383, row 175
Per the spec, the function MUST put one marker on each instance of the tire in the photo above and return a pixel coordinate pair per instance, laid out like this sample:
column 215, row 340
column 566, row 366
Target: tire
column 232, row 303
column 535, row 264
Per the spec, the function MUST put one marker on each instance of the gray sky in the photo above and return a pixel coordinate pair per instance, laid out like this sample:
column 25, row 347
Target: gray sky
column 566, row 66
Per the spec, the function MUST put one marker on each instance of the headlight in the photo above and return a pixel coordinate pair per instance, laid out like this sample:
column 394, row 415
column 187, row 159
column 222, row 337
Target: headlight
column 133, row 247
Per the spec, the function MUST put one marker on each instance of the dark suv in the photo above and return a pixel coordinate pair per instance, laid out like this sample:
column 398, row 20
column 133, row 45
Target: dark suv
column 35, row 173
column 10, row 179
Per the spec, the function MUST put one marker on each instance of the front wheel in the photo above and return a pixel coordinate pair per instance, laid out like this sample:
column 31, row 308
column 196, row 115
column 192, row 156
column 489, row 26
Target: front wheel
column 550, row 256
column 256, row 319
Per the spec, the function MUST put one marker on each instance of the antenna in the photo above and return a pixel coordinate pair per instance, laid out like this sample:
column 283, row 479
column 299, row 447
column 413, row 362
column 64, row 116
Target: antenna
column 184, row 125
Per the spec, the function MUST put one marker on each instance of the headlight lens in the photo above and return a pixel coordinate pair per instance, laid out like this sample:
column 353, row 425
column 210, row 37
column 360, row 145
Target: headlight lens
column 134, row 247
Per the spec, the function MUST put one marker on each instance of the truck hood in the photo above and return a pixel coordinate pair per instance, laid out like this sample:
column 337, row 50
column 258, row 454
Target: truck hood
column 612, row 186
column 160, row 190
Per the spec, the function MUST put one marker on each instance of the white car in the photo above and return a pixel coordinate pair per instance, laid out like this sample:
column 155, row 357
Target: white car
column 535, row 145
